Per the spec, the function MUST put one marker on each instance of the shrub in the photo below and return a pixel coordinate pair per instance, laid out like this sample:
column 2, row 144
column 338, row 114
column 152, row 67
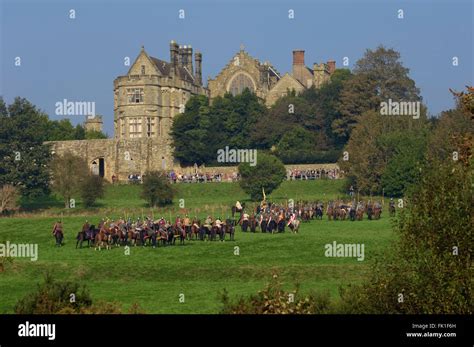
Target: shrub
column 53, row 297
column 430, row 270
column 274, row 300
column 92, row 188
column 157, row 190
column 8, row 198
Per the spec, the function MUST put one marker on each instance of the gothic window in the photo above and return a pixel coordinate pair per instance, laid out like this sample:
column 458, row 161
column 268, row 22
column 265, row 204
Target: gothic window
column 239, row 83
column 135, row 129
column 135, row 95
column 159, row 126
column 143, row 69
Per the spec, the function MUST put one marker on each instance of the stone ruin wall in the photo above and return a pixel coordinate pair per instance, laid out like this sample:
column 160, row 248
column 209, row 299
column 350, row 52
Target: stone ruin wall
column 136, row 156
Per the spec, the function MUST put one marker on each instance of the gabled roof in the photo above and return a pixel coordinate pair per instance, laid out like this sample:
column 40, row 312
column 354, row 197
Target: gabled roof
column 165, row 68
column 287, row 75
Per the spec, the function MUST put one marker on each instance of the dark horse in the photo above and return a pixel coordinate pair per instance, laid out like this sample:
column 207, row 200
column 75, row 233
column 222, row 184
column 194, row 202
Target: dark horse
column 391, row 210
column 86, row 234
column 319, row 211
column 229, row 228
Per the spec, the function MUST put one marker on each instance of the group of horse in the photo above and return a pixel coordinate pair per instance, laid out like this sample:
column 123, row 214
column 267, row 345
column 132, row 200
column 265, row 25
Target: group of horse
column 267, row 218
column 153, row 233
column 274, row 216
column 339, row 210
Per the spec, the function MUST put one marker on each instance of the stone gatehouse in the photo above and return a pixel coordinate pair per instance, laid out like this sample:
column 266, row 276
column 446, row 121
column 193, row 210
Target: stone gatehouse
column 120, row 158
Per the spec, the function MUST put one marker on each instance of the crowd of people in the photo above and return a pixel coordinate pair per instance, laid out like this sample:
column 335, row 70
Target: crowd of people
column 203, row 177
column 199, row 177
column 313, row 174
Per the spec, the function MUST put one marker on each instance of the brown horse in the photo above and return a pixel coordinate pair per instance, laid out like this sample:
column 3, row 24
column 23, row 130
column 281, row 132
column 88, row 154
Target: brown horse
column 195, row 229
column 113, row 236
column 377, row 211
column 179, row 232
column 330, row 211
column 132, row 237
column 101, row 239
column 360, row 213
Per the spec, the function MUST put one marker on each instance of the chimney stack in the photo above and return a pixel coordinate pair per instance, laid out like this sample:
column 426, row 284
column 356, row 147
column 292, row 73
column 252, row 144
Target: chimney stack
column 174, row 56
column 189, row 59
column 198, row 68
column 332, row 66
column 298, row 66
column 298, row 57
column 181, row 57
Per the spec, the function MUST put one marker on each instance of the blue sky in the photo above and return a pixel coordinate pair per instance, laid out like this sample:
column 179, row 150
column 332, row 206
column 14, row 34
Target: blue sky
column 79, row 59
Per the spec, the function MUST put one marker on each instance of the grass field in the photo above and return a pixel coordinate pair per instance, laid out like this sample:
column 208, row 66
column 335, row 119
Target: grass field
column 155, row 278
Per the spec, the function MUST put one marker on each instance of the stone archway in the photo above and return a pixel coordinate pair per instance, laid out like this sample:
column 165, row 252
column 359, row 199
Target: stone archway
column 97, row 167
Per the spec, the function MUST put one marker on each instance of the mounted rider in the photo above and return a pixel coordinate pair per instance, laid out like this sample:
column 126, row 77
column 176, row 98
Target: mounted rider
column 58, row 233
column 86, row 227
column 57, row 227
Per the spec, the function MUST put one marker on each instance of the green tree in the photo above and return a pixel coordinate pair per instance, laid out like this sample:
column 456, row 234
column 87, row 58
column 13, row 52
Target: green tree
column 403, row 168
column 191, row 132
column 429, row 270
column 378, row 76
column 238, row 119
column 283, row 117
column 25, row 157
column 375, row 140
column 452, row 123
column 157, row 189
column 326, row 102
column 92, row 188
column 267, row 174
column 68, row 175
column 203, row 128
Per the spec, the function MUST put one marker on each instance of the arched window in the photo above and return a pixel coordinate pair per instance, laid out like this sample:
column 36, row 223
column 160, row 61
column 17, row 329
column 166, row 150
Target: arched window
column 239, row 83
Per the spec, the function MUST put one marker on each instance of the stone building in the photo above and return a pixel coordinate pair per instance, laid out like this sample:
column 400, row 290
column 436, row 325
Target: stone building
column 93, row 123
column 154, row 91
column 264, row 80
column 145, row 101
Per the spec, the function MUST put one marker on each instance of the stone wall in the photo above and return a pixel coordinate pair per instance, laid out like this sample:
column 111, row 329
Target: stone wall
column 137, row 156
column 232, row 169
column 120, row 157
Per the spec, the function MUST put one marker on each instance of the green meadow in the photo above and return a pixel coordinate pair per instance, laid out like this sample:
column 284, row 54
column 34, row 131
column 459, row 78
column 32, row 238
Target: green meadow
column 155, row 278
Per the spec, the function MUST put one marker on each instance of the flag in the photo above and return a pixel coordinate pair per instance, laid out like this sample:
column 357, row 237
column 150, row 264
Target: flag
column 264, row 196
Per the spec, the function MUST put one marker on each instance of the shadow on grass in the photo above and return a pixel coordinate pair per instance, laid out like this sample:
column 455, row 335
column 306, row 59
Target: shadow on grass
column 42, row 202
